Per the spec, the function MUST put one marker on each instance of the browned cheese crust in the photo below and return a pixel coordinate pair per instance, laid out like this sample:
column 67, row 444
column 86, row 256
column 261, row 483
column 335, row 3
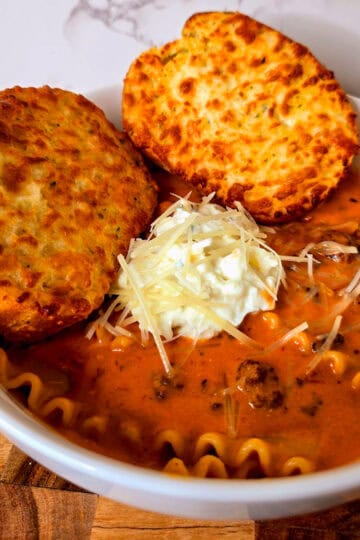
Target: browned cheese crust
column 237, row 108
column 73, row 191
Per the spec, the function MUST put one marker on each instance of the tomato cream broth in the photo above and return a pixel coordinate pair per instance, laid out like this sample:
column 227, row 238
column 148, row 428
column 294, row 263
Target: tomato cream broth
column 221, row 386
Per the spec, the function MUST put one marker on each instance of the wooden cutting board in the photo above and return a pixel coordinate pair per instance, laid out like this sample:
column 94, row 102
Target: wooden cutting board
column 37, row 504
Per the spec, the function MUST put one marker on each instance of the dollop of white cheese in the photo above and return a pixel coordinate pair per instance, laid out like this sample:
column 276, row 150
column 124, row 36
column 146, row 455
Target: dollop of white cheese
column 202, row 270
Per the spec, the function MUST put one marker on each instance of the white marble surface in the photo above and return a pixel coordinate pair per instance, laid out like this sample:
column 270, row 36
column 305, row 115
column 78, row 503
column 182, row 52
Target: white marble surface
column 82, row 45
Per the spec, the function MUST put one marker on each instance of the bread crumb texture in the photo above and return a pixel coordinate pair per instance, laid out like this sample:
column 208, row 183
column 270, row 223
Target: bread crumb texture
column 73, row 191
column 237, row 108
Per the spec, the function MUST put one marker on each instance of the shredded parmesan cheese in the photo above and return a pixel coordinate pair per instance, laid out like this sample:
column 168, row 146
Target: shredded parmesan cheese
column 231, row 410
column 330, row 247
column 326, row 345
column 306, row 249
column 291, row 334
column 339, row 308
column 310, row 267
column 148, row 320
column 200, row 271
column 353, row 283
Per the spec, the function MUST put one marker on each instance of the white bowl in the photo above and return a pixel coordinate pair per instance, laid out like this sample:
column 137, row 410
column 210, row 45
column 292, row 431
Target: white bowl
column 160, row 492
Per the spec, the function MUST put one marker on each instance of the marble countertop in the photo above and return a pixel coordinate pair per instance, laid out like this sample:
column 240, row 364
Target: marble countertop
column 83, row 45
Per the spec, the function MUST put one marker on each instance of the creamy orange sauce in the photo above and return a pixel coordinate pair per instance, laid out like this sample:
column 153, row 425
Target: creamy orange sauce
column 316, row 416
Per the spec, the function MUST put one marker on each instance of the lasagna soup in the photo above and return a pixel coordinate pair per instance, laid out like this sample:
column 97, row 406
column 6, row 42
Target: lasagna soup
column 283, row 402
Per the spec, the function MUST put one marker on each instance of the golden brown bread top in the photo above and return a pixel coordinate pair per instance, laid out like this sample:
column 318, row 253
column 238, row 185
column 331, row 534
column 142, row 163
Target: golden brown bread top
column 238, row 108
column 73, row 191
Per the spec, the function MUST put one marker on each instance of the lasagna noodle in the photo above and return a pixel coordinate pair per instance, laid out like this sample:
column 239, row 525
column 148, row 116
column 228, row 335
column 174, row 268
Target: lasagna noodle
column 40, row 400
column 216, row 455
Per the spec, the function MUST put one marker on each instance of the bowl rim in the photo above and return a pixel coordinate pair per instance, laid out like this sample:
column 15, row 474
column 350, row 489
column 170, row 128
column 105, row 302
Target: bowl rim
column 23, row 428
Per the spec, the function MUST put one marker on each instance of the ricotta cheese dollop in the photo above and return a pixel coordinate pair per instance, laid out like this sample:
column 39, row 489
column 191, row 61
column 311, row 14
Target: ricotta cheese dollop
column 202, row 269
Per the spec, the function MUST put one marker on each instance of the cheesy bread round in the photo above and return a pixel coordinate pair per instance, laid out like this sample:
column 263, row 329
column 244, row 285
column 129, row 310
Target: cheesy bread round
column 237, row 108
column 73, row 192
